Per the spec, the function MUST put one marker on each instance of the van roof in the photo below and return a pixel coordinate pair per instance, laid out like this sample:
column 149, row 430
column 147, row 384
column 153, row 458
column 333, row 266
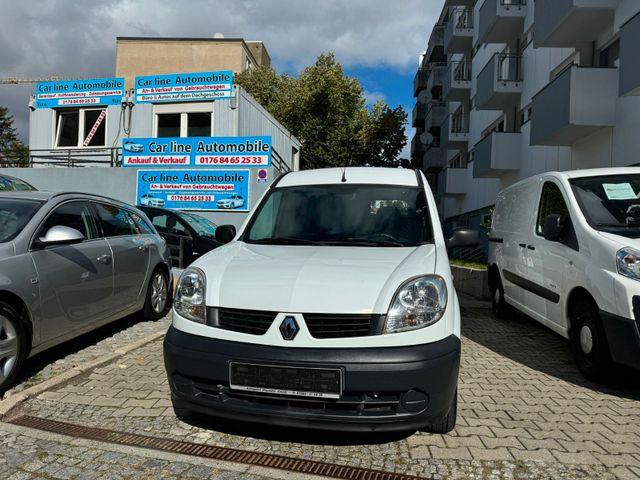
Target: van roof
column 323, row 176
column 596, row 172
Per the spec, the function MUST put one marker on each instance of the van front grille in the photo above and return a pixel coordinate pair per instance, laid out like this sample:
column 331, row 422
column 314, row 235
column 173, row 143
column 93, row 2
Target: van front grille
column 320, row 325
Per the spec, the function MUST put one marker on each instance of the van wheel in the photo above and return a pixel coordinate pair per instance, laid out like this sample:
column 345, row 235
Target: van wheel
column 588, row 341
column 13, row 346
column 157, row 302
column 448, row 422
column 499, row 306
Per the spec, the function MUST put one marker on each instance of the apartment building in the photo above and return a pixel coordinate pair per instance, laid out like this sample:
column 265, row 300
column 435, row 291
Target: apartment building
column 510, row 88
column 167, row 55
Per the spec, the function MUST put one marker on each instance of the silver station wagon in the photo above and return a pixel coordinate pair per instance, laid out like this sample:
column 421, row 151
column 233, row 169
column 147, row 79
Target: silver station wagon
column 69, row 263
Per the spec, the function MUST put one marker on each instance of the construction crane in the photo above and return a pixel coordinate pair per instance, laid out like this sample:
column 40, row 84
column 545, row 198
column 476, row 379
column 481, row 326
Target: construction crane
column 25, row 80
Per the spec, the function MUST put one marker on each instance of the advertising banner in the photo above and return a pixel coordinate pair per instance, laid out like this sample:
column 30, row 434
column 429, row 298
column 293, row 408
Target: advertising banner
column 184, row 87
column 80, row 93
column 197, row 152
column 211, row 190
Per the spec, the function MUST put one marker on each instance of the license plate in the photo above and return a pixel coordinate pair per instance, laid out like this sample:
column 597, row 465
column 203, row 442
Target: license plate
column 283, row 380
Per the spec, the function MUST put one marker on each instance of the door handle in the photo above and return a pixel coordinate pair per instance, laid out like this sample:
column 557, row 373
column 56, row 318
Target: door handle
column 104, row 258
column 531, row 247
column 522, row 245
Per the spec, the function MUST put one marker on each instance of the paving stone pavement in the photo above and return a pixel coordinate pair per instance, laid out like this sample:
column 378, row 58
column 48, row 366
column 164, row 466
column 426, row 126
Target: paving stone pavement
column 524, row 412
column 88, row 347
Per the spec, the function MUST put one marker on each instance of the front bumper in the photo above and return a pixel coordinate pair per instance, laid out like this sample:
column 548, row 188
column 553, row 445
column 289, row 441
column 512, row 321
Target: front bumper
column 623, row 335
column 385, row 389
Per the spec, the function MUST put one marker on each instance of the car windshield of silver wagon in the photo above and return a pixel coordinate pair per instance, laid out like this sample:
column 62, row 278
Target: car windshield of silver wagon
column 14, row 215
column 342, row 215
column 610, row 203
column 200, row 224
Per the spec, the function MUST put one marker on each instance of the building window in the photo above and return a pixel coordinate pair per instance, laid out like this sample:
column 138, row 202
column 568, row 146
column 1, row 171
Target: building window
column 75, row 127
column 180, row 120
column 610, row 56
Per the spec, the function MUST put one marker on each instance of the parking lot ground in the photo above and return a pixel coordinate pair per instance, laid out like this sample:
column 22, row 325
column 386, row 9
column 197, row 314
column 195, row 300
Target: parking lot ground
column 524, row 412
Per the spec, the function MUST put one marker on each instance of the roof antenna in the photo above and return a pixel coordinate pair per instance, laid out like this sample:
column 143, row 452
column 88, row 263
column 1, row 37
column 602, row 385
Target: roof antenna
column 344, row 171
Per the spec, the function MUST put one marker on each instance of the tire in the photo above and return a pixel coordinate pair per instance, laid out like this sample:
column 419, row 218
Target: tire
column 13, row 346
column 157, row 300
column 589, row 341
column 499, row 306
column 448, row 422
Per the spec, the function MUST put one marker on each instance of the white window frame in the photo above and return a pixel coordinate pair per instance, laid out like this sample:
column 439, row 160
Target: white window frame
column 81, row 131
column 183, row 109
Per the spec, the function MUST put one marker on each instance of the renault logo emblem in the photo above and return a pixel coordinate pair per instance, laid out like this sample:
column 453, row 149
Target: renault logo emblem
column 289, row 328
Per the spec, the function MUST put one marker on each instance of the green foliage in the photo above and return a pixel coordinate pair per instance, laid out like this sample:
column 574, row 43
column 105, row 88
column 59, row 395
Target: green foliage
column 13, row 153
column 327, row 112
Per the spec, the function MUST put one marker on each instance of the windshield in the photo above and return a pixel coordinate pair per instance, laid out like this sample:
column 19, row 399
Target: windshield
column 11, row 184
column 201, row 225
column 350, row 215
column 610, row 203
column 14, row 215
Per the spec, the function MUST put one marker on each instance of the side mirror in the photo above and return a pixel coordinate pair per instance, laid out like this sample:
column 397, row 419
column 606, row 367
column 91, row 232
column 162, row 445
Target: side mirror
column 225, row 233
column 553, row 226
column 61, row 235
column 464, row 238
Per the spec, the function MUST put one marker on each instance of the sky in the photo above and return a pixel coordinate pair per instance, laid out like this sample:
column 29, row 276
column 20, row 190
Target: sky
column 377, row 41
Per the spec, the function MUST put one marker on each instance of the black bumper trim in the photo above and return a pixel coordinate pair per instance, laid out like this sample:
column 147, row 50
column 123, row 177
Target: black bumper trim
column 385, row 389
column 623, row 338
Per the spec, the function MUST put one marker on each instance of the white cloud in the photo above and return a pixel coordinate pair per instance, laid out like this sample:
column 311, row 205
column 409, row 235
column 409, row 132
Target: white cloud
column 373, row 97
column 77, row 38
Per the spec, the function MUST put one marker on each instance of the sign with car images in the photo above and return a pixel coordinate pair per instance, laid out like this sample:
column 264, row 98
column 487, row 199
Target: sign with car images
column 184, row 87
column 245, row 152
column 79, row 93
column 198, row 189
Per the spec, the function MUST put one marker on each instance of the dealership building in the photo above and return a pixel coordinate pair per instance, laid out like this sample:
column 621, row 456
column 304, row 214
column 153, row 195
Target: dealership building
column 507, row 89
column 84, row 123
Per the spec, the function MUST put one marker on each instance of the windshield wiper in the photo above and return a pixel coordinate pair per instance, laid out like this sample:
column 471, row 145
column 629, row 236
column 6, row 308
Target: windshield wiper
column 284, row 241
column 365, row 242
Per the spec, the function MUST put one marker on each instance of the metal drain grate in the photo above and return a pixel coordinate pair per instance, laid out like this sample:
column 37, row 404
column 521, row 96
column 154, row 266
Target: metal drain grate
column 209, row 451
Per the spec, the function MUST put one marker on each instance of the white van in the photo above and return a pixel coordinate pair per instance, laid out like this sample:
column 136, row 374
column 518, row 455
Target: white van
column 565, row 249
column 332, row 308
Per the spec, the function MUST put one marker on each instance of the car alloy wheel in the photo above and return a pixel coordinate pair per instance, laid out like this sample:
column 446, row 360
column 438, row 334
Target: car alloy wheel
column 8, row 347
column 159, row 293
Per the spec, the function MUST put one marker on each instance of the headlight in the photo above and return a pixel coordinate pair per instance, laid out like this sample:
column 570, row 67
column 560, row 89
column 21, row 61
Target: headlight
column 418, row 303
column 629, row 262
column 189, row 301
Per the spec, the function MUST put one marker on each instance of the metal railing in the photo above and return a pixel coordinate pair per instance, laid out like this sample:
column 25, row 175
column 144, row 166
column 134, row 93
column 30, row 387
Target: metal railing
column 76, row 157
column 459, row 122
column 461, row 71
column 508, row 67
column 462, row 18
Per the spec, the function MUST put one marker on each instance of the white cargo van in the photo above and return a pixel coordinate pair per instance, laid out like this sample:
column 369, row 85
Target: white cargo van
column 565, row 249
column 332, row 308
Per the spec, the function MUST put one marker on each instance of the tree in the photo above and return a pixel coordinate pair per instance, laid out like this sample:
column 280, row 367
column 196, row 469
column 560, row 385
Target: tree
column 327, row 112
column 13, row 153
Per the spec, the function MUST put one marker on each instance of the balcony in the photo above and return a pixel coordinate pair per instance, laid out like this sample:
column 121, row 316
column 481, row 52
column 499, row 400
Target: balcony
column 497, row 154
column 458, row 37
column 575, row 104
column 499, row 83
column 629, row 67
column 501, row 21
column 568, row 23
column 457, row 82
column 418, row 143
column 452, row 182
column 433, row 159
column 436, row 75
column 419, row 81
column 436, row 113
column 435, row 47
column 419, row 113
column 454, row 133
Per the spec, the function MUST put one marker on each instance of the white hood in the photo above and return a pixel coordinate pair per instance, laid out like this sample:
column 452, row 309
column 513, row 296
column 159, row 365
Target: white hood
column 299, row 279
column 621, row 241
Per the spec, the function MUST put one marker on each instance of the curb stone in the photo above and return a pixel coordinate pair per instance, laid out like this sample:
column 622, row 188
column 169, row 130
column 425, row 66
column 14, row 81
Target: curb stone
column 13, row 401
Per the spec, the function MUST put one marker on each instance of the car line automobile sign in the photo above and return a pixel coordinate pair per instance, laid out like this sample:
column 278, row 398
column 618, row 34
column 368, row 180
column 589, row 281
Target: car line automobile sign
column 79, row 93
column 196, row 189
column 209, row 152
column 184, row 87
